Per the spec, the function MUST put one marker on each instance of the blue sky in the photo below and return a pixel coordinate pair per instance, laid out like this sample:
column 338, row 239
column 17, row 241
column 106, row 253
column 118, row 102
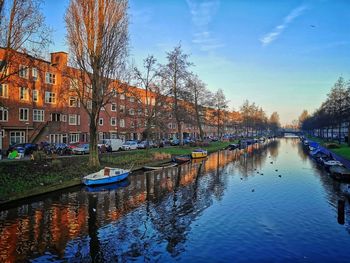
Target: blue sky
column 283, row 55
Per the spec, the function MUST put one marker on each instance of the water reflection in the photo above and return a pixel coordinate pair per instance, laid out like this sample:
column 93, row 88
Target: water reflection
column 151, row 216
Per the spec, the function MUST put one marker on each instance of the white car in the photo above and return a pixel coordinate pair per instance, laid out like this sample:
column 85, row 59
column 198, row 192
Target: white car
column 81, row 149
column 129, row 145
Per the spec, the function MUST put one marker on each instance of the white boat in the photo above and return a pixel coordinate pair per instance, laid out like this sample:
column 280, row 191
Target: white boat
column 106, row 176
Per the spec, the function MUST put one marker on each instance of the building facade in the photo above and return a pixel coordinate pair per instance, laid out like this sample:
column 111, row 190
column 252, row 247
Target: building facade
column 38, row 102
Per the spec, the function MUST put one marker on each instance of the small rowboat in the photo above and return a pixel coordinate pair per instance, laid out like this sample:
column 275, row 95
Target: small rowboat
column 181, row 158
column 107, row 175
column 160, row 166
column 199, row 153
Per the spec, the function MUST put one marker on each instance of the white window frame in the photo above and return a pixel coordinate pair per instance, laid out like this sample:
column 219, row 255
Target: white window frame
column 122, row 123
column 38, row 115
column 17, row 134
column 122, row 96
column 50, row 97
column 74, row 137
column 73, row 102
column 131, row 111
column 4, row 114
column 72, row 119
column 23, row 110
column 50, row 78
column 114, row 107
column 23, row 72
column 35, row 74
column 100, row 121
column 35, row 95
column 4, row 91
column 25, row 93
column 113, row 121
column 132, row 99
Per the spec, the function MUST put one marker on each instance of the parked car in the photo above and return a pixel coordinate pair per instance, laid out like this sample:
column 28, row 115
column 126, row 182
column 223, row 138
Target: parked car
column 146, row 145
column 188, row 141
column 28, row 148
column 129, row 145
column 81, row 149
column 112, row 144
column 174, row 142
column 163, row 143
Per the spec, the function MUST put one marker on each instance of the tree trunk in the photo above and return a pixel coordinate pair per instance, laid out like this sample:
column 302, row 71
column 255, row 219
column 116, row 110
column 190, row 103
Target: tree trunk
column 179, row 131
column 93, row 157
column 199, row 124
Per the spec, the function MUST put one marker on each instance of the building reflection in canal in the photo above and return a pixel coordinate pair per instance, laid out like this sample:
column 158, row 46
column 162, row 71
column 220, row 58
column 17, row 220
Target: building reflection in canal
column 153, row 213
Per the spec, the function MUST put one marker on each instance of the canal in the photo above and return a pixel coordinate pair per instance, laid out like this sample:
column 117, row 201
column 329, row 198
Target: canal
column 268, row 203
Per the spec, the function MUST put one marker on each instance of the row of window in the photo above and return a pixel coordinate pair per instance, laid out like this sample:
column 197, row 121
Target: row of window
column 50, row 97
column 23, row 72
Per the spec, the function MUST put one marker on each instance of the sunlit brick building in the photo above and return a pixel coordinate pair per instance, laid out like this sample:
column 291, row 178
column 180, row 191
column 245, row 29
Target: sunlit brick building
column 38, row 103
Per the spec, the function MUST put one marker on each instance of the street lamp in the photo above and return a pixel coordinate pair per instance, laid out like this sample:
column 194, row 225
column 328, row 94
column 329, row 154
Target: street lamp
column 27, row 123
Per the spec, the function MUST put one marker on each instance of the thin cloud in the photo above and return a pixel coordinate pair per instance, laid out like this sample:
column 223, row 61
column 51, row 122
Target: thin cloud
column 278, row 30
column 202, row 14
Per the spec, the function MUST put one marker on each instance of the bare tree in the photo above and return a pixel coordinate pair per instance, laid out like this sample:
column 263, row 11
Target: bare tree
column 22, row 29
column 199, row 97
column 274, row 122
column 220, row 108
column 148, row 79
column 174, row 75
column 97, row 34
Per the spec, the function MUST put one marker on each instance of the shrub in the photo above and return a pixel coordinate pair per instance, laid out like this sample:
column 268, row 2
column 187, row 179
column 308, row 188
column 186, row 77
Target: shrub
column 332, row 145
column 56, row 163
column 38, row 156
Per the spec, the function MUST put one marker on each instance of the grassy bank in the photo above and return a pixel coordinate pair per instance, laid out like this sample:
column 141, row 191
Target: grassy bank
column 340, row 149
column 19, row 179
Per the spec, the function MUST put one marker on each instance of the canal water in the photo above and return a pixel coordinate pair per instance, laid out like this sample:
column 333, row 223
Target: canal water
column 268, row 203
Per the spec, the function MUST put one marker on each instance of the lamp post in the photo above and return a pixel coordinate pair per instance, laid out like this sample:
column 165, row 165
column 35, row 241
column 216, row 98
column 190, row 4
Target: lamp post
column 27, row 123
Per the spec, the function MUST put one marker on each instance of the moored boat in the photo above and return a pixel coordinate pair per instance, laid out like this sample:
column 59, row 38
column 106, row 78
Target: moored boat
column 160, row 166
column 339, row 172
column 181, row 158
column 107, row 175
column 199, row 153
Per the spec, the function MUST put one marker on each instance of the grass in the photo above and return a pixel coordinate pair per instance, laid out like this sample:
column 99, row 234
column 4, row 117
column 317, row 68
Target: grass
column 20, row 179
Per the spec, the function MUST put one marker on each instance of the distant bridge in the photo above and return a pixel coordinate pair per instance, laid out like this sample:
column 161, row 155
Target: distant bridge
column 297, row 132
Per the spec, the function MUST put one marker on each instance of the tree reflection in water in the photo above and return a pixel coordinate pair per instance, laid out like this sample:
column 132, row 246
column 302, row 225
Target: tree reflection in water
column 152, row 215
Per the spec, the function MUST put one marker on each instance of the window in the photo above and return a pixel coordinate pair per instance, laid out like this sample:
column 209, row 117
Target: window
column 88, row 88
column 170, row 126
column 113, row 121
column 74, row 102
column 50, row 78
column 4, row 70
column 17, row 137
column 103, row 108
column 122, row 109
column 23, row 114
column 63, row 118
column 4, row 114
column 50, row 97
column 122, row 96
column 74, row 119
column 139, row 112
column 132, row 99
column 35, row 95
column 23, row 93
column 122, row 123
column 35, row 74
column 114, row 107
column 38, row 115
column 73, row 84
column 23, row 71
column 100, row 121
column 89, row 104
column 4, row 91
column 3, row 133
column 131, row 112
column 74, row 137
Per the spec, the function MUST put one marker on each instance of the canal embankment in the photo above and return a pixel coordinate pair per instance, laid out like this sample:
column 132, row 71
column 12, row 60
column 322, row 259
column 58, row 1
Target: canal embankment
column 342, row 151
column 27, row 178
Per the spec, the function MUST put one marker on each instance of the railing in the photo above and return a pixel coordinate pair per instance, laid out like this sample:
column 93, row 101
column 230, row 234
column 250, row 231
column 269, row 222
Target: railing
column 38, row 131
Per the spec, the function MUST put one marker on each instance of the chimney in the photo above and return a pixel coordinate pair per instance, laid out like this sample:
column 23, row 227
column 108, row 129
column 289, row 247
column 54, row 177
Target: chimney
column 59, row 59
